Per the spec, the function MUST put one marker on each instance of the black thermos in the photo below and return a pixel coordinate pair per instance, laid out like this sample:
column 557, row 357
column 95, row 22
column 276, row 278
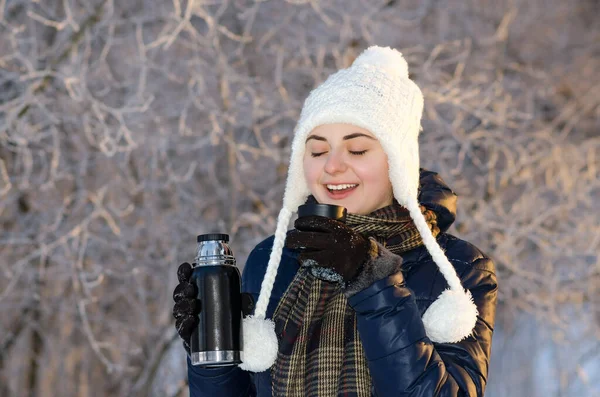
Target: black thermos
column 218, row 339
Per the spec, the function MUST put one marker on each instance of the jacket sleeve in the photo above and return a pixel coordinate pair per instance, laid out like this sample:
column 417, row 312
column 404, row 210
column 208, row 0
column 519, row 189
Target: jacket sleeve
column 225, row 381
column 403, row 361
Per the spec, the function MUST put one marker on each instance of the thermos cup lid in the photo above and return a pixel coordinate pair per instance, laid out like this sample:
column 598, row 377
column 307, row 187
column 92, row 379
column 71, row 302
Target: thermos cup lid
column 213, row 236
column 336, row 212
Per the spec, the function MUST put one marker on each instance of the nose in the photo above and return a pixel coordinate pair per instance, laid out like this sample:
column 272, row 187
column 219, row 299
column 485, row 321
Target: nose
column 335, row 162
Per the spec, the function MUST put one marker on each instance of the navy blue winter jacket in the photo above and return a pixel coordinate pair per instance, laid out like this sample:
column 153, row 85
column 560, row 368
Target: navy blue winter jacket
column 402, row 360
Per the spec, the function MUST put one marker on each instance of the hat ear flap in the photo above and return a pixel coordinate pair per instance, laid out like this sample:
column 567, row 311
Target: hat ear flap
column 260, row 343
column 404, row 171
column 453, row 315
column 259, row 337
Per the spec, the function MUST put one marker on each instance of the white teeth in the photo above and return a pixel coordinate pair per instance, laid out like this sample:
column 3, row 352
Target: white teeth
column 340, row 187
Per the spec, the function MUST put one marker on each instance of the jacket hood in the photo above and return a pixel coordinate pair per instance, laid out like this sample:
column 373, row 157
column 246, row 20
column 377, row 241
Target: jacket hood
column 436, row 195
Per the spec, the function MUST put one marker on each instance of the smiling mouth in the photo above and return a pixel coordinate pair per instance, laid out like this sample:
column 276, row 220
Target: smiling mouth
column 341, row 187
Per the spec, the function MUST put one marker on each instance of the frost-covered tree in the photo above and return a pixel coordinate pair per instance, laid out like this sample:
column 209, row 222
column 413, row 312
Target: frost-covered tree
column 126, row 128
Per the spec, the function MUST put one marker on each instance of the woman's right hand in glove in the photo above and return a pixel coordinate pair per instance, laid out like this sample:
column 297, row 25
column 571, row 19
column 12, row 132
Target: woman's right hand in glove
column 187, row 307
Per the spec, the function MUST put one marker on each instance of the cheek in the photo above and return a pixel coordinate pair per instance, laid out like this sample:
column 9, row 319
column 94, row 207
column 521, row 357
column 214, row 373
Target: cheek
column 311, row 170
column 374, row 172
column 376, row 176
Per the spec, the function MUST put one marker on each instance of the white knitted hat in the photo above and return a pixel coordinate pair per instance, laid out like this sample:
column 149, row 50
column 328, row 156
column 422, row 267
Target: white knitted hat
column 376, row 94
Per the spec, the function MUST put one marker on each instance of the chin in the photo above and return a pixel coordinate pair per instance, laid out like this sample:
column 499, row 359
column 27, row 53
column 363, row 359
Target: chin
column 350, row 208
column 357, row 211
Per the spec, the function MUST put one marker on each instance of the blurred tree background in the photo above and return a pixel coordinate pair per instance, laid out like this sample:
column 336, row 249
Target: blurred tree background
column 126, row 128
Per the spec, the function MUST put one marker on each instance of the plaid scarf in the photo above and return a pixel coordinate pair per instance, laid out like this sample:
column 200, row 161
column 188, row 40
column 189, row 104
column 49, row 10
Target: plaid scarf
column 320, row 351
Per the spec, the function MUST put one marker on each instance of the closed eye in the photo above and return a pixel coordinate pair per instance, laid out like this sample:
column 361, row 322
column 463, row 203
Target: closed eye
column 356, row 153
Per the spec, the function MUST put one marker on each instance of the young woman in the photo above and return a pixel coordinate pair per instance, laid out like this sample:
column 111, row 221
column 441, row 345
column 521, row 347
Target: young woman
column 385, row 304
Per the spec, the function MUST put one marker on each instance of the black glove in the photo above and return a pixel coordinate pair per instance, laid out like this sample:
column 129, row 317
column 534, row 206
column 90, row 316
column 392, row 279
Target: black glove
column 187, row 306
column 331, row 245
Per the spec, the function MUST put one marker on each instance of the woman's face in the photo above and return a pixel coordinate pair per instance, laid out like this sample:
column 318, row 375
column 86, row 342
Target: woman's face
column 346, row 165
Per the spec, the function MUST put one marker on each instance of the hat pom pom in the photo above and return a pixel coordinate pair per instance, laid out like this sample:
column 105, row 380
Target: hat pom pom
column 260, row 344
column 451, row 318
column 386, row 58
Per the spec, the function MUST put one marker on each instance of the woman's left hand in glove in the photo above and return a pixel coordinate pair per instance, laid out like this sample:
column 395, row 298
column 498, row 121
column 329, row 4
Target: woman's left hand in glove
column 328, row 243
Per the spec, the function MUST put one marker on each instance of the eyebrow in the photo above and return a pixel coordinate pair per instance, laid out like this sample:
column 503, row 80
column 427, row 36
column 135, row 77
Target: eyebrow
column 345, row 138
